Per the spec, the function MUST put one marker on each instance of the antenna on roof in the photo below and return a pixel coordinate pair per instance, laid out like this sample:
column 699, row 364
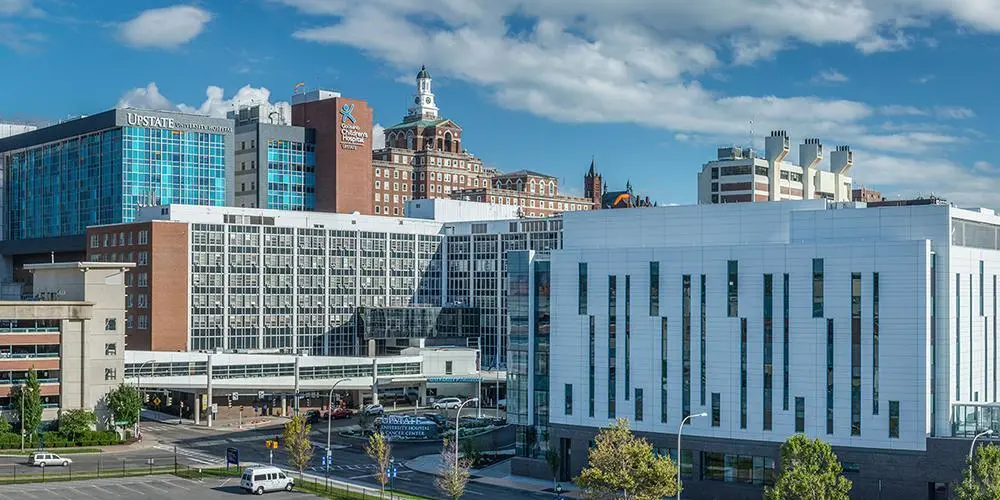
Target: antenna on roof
column 750, row 127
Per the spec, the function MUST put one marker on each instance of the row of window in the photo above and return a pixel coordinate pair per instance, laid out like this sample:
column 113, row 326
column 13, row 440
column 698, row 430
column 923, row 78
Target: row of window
column 140, row 259
column 118, row 239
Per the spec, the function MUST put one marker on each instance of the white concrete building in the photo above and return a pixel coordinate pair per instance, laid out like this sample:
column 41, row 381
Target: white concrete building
column 740, row 175
column 871, row 328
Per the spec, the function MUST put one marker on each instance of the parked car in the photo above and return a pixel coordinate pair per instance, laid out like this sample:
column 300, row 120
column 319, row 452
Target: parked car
column 43, row 458
column 261, row 479
column 341, row 412
column 313, row 416
column 447, row 403
column 373, row 410
column 502, row 404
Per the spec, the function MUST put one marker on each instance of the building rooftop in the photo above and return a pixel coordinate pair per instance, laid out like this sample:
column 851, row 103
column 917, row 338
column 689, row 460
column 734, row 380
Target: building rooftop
column 524, row 172
column 79, row 265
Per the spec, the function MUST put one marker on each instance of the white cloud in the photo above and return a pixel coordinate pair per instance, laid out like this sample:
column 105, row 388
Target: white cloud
column 922, row 79
column 955, row 112
column 19, row 8
column 952, row 112
column 830, row 76
column 910, row 177
column 165, row 28
column 215, row 103
column 897, row 110
column 878, row 43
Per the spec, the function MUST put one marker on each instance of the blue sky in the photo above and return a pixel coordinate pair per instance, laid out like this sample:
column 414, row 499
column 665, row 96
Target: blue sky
column 650, row 88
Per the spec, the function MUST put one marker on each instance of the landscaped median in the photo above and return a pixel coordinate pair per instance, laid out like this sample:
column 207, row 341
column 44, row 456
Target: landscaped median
column 316, row 485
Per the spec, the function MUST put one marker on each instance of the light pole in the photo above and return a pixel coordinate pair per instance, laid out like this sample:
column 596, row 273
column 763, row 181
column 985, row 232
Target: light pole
column 987, row 432
column 457, row 414
column 138, row 383
column 22, row 417
column 329, row 417
column 679, row 431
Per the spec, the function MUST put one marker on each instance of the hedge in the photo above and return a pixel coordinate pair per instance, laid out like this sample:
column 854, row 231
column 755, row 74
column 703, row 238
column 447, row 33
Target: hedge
column 57, row 440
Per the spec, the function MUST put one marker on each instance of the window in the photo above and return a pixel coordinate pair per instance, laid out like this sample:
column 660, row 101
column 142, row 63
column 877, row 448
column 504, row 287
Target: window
column 110, row 349
column 958, row 334
column 143, row 237
column 582, row 288
column 768, row 349
column 704, row 334
column 569, row 399
column 715, row 173
column 738, row 468
column 143, row 258
column 685, row 346
column 110, row 324
column 732, row 310
column 143, row 280
column 743, row 373
column 593, row 360
column 654, row 288
column 628, row 334
column 142, row 301
column 95, row 241
column 855, row 354
column 447, row 367
column 663, row 370
column 829, row 376
column 894, row 419
column 638, row 405
column 817, row 288
column 612, row 343
column 143, row 321
column 784, row 351
column 800, row 414
column 716, row 409
column 982, row 286
column 110, row 374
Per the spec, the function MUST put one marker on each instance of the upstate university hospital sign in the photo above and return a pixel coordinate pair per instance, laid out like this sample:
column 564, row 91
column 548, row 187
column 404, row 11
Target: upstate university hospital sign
column 352, row 136
column 137, row 120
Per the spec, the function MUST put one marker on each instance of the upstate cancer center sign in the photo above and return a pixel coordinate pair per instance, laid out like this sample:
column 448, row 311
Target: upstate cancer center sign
column 152, row 121
column 405, row 427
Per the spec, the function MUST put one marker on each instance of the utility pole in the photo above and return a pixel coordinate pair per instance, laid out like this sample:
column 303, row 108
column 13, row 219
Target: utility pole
column 22, row 417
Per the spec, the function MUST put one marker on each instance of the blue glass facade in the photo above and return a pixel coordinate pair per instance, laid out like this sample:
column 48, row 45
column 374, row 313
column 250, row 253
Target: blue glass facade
column 61, row 187
column 291, row 175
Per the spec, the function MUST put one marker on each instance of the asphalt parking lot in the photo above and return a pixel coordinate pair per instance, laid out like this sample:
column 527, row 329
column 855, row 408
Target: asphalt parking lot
column 148, row 488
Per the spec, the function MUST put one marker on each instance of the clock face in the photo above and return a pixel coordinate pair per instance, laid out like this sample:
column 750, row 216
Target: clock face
column 416, row 100
column 427, row 100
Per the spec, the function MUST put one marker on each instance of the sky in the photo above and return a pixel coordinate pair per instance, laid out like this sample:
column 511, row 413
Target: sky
column 650, row 88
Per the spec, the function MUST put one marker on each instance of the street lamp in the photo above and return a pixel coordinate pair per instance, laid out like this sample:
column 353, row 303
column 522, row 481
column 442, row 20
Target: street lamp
column 138, row 380
column 987, row 432
column 457, row 414
column 329, row 417
column 679, row 431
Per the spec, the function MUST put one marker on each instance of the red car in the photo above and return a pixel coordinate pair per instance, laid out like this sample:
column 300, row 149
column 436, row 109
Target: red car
column 340, row 412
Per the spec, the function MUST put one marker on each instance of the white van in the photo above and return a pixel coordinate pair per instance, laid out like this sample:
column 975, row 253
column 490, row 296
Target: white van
column 260, row 479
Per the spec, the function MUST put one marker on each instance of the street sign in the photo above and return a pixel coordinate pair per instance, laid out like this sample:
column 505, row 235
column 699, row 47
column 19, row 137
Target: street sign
column 236, row 395
column 260, row 394
column 156, row 401
column 232, row 456
column 215, row 407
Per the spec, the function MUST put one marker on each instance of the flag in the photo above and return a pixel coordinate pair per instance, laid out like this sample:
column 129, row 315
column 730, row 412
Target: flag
column 299, row 86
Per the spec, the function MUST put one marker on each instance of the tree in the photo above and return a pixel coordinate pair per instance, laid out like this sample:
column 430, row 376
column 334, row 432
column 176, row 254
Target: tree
column 74, row 424
column 31, row 395
column 125, row 402
column 554, row 460
column 471, row 452
column 454, row 473
column 296, row 439
column 5, row 427
column 365, row 420
column 982, row 477
column 809, row 469
column 380, row 451
column 622, row 465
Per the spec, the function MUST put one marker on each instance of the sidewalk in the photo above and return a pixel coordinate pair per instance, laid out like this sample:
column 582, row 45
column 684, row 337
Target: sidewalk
column 496, row 474
column 226, row 425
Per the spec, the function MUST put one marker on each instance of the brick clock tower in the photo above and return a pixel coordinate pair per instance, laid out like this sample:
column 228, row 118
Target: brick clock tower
column 343, row 150
column 592, row 185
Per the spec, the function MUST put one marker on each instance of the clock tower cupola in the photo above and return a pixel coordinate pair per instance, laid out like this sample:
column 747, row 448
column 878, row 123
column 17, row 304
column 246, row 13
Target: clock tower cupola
column 424, row 106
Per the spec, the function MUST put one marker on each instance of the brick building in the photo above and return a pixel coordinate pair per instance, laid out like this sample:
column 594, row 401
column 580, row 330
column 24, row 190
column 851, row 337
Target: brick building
column 423, row 157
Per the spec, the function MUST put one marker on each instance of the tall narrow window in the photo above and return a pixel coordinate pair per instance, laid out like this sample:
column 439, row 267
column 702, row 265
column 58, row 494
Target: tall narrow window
column 582, row 289
column 800, row 414
column 593, row 363
column 638, row 405
column 663, row 370
column 994, row 338
column 874, row 343
column 973, row 395
column 733, row 291
column 654, row 288
column 855, row 354
column 628, row 334
column 894, row 419
column 568, row 399
column 817, row 288
column 716, row 409
column 958, row 335
column 612, row 344
column 685, row 346
column 933, row 343
column 982, row 286
column 784, row 350
column 704, row 333
column 829, row 376
column 768, row 348
column 743, row 373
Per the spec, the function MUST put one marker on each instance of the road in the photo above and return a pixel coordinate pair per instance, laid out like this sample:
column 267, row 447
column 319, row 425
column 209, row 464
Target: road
column 349, row 459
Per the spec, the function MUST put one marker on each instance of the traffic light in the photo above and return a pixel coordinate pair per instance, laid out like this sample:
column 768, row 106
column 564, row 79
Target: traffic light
column 170, row 400
column 230, row 402
column 146, row 397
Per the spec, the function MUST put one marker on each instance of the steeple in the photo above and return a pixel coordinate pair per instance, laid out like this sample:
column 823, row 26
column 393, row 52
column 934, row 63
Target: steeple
column 424, row 106
column 593, row 168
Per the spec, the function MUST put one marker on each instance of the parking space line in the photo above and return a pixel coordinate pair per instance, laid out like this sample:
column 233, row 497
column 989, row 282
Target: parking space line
column 111, row 492
column 130, row 489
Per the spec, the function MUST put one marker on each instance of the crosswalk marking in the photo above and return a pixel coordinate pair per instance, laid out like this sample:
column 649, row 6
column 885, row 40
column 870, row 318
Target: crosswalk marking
column 191, row 454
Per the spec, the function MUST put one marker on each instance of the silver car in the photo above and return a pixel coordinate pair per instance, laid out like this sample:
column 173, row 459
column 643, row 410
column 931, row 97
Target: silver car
column 43, row 458
column 447, row 403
